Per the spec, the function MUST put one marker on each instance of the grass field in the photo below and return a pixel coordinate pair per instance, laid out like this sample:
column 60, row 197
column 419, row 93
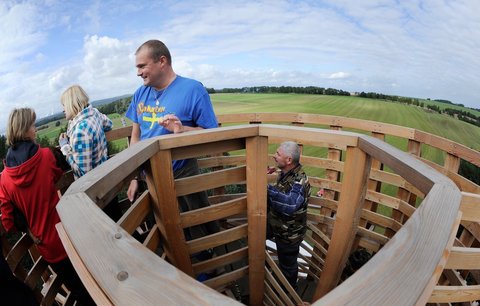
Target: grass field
column 354, row 107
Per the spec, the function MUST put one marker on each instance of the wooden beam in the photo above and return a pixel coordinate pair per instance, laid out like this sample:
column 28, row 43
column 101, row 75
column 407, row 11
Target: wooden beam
column 214, row 212
column 87, row 279
column 136, row 213
column 161, row 185
column 256, row 163
column 221, row 260
column 210, row 180
column 352, row 196
column 217, row 239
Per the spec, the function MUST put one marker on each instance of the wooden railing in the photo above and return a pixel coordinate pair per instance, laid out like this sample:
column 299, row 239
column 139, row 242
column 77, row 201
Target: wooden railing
column 120, row 270
column 376, row 197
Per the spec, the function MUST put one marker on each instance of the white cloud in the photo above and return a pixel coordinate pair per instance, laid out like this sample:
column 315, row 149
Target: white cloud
column 339, row 75
column 108, row 67
column 19, row 35
column 413, row 48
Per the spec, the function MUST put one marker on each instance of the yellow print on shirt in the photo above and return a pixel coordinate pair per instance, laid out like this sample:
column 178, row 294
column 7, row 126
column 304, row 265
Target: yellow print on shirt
column 152, row 110
column 141, row 108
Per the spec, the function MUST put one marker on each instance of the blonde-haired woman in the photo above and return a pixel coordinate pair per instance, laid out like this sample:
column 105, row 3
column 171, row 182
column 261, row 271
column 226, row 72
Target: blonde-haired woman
column 28, row 184
column 84, row 145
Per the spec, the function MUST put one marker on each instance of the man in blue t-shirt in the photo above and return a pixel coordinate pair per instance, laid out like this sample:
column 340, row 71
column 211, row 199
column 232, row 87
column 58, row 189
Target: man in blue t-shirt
column 165, row 103
column 168, row 103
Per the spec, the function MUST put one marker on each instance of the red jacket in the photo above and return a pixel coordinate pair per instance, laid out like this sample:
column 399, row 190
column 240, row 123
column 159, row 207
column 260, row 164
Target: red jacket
column 31, row 188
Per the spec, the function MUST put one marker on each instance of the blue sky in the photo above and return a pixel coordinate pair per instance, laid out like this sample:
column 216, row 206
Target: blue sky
column 424, row 49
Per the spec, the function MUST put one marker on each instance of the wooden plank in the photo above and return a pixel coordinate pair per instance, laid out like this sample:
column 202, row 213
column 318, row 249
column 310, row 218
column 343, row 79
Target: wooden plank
column 320, row 119
column 329, row 197
column 117, row 133
column 452, row 163
column 452, row 294
column 51, row 291
column 371, row 235
column 285, row 284
column 430, row 286
column 271, row 294
column 214, row 240
column 235, row 118
column 224, row 279
column 105, row 177
column 36, row 272
column 369, row 244
column 93, row 288
column 400, row 162
column 329, row 183
column 313, row 255
column 205, row 136
column 416, row 249
column 256, row 163
column 464, row 259
column 310, row 136
column 357, row 167
column 136, row 213
column 18, row 251
column 152, row 241
column 470, row 207
column 453, row 148
column 373, row 184
column 127, row 272
column 215, row 161
column 276, row 286
column 210, row 180
column 323, row 163
column 160, row 181
column 208, row 148
column 379, row 219
column 214, row 212
column 395, row 180
column 305, row 268
column 462, row 183
column 221, row 260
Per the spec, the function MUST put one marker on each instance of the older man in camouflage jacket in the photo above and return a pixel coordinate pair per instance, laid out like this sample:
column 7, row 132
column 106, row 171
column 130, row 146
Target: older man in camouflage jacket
column 287, row 208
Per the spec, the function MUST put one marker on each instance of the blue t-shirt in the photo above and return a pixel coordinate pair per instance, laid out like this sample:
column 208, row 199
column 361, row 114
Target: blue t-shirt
column 185, row 98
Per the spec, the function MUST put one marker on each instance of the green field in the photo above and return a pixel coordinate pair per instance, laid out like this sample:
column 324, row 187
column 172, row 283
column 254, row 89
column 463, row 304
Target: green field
column 354, row 107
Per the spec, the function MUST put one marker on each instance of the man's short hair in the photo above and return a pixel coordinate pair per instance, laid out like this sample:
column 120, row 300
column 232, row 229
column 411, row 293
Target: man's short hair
column 291, row 149
column 157, row 50
column 19, row 122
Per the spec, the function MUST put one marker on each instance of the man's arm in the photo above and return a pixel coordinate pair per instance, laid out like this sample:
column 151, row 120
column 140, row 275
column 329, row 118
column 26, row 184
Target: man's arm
column 135, row 137
column 286, row 203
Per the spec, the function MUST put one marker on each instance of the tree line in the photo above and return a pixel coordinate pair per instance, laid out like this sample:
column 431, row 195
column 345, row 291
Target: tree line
column 312, row 90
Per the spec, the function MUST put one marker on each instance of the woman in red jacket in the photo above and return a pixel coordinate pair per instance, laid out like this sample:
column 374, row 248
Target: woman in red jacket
column 28, row 183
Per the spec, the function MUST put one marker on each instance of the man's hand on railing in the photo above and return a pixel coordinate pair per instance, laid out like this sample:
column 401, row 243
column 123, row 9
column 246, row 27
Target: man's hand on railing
column 132, row 190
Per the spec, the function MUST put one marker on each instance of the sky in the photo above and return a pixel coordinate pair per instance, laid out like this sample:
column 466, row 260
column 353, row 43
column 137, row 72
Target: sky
column 416, row 48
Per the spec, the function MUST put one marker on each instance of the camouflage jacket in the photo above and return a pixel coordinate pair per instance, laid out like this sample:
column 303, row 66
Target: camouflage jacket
column 287, row 205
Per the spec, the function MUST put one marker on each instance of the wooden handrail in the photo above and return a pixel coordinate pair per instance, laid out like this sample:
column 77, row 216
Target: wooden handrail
column 402, row 271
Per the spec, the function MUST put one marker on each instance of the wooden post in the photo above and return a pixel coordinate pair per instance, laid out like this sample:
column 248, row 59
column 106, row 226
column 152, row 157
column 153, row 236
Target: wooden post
column 372, row 184
column 161, row 185
column 352, row 196
column 333, row 175
column 414, row 147
column 256, row 164
column 452, row 163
